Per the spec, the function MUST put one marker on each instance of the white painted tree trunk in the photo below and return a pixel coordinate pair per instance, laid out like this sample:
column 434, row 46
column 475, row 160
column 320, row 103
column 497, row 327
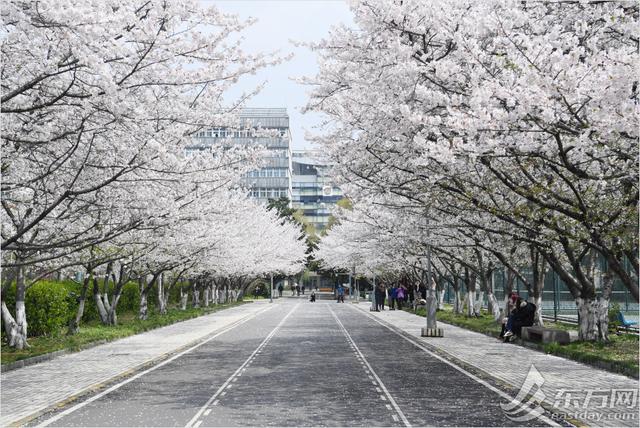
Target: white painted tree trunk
column 538, row 317
column 196, row 297
column 144, row 307
column 493, row 306
column 206, row 297
column 113, row 315
column 593, row 318
column 15, row 328
column 102, row 311
column 183, row 299
column 478, row 303
column 441, row 300
column 162, row 298
column 471, row 302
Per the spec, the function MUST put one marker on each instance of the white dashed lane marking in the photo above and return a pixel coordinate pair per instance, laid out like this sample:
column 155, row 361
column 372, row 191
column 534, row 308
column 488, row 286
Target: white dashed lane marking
column 386, row 396
column 221, row 391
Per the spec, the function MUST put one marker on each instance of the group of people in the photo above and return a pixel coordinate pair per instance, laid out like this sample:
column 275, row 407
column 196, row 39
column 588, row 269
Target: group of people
column 296, row 289
column 395, row 296
column 520, row 314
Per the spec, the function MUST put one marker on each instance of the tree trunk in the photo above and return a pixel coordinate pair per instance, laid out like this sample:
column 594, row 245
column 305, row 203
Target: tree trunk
column 97, row 299
column 457, row 302
column 441, row 299
column 196, row 295
column 162, row 300
column 17, row 328
column 74, row 324
column 508, row 289
column 143, row 312
column 205, row 297
column 493, row 306
column 183, row 299
column 593, row 318
column 538, row 317
column 478, row 303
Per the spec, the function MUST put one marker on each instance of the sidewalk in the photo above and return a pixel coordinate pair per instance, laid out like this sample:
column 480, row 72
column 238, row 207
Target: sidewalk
column 32, row 390
column 592, row 396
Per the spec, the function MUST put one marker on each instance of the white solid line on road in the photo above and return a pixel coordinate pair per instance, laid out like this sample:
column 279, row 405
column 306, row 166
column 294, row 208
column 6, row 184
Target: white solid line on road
column 460, row 369
column 220, row 390
column 142, row 373
column 206, row 413
column 373, row 373
column 395, row 418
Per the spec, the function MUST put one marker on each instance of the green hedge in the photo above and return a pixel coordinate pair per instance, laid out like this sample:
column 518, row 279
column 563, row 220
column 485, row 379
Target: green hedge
column 50, row 305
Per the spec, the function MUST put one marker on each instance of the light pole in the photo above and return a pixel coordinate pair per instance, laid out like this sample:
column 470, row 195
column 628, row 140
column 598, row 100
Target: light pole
column 373, row 294
column 357, row 286
column 271, row 293
column 431, row 330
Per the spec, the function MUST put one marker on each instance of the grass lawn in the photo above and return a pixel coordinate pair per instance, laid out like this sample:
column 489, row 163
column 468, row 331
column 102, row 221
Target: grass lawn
column 620, row 353
column 128, row 324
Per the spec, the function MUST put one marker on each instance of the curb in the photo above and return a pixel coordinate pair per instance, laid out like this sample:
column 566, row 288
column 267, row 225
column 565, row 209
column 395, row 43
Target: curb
column 99, row 386
column 611, row 367
column 50, row 356
column 55, row 354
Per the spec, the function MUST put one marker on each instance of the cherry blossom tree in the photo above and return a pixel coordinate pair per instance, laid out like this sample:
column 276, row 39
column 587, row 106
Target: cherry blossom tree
column 515, row 120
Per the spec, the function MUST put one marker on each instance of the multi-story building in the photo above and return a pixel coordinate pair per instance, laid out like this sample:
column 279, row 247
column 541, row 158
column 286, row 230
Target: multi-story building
column 313, row 190
column 273, row 180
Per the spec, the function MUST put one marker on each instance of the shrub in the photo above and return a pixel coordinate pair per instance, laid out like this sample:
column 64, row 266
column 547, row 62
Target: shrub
column 614, row 308
column 48, row 307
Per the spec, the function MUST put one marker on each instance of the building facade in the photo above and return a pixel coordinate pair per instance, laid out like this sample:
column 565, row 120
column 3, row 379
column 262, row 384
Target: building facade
column 313, row 190
column 273, row 180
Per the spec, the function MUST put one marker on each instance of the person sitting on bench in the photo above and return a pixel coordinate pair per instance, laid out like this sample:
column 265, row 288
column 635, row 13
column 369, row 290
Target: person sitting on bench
column 522, row 316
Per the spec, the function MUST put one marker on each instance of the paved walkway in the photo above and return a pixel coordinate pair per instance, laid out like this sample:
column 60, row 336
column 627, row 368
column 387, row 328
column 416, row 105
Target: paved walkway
column 33, row 389
column 592, row 396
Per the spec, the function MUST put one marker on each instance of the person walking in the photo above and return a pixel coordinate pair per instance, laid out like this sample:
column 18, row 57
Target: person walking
column 298, row 289
column 340, row 293
column 280, row 288
column 400, row 296
column 392, row 291
column 380, row 291
column 302, row 288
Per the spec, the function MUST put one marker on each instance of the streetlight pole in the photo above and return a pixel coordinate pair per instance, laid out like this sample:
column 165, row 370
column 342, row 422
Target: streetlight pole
column 431, row 329
column 356, row 285
column 373, row 294
column 271, row 293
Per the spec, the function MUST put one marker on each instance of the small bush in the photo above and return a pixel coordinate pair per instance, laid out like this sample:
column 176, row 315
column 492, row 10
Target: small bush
column 614, row 308
column 48, row 308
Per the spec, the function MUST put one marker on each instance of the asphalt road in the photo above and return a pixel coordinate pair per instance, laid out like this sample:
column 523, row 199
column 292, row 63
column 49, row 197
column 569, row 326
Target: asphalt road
column 299, row 364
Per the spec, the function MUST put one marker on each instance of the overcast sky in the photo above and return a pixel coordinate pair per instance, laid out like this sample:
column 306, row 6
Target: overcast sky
column 278, row 23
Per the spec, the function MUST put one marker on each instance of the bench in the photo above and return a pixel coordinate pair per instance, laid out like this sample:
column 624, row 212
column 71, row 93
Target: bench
column 625, row 322
column 545, row 335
